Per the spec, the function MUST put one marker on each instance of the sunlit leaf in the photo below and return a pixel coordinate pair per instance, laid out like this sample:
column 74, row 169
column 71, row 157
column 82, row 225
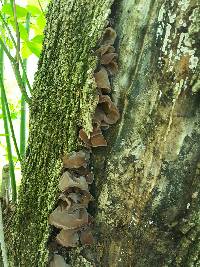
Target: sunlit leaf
column 33, row 10
column 38, row 39
column 41, row 21
column 35, row 48
column 25, row 51
column 23, row 32
column 21, row 11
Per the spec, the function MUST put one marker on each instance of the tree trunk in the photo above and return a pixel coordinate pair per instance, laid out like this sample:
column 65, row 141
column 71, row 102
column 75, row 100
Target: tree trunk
column 146, row 181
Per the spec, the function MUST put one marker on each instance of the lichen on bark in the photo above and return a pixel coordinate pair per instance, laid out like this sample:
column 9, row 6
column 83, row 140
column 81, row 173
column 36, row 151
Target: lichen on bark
column 63, row 99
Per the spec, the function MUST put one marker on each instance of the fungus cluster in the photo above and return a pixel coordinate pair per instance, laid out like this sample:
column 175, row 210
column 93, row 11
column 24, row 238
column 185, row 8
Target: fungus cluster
column 70, row 218
column 106, row 112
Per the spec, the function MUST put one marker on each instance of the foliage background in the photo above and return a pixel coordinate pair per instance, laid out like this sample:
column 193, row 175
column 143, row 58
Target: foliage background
column 30, row 47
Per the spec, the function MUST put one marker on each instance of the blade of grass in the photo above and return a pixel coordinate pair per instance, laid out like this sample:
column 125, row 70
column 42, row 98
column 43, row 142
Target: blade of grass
column 23, row 101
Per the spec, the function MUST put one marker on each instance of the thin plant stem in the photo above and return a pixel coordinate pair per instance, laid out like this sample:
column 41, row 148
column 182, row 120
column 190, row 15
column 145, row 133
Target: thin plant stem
column 41, row 7
column 12, row 59
column 23, row 102
column 17, row 30
column 3, row 95
column 6, row 130
column 16, row 71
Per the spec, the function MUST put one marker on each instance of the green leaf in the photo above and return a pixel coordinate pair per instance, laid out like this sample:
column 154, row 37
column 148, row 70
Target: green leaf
column 41, row 21
column 35, row 48
column 23, row 32
column 33, row 10
column 21, row 11
column 7, row 9
column 26, row 52
column 38, row 39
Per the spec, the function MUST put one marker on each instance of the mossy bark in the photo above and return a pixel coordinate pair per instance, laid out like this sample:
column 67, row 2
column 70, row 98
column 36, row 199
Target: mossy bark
column 63, row 99
column 146, row 181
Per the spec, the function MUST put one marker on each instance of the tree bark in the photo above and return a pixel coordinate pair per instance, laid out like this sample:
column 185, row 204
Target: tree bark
column 146, row 181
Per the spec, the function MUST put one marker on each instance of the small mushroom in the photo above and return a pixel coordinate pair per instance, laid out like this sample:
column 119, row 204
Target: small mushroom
column 111, row 111
column 62, row 218
column 75, row 160
column 102, row 81
column 86, row 237
column 109, row 36
column 105, row 49
column 68, row 238
column 58, row 261
column 67, row 181
column 108, row 58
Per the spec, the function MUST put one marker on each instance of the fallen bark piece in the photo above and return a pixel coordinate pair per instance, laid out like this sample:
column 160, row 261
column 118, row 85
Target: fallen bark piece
column 68, row 181
column 105, row 49
column 107, row 58
column 102, row 80
column 63, row 219
column 58, row 261
column 75, row 160
column 109, row 36
column 86, row 237
column 68, row 238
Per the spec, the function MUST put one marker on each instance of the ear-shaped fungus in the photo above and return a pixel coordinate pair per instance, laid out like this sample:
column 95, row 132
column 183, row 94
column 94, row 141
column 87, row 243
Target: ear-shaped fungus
column 63, row 219
column 112, row 67
column 68, row 238
column 58, row 261
column 75, row 160
column 109, row 36
column 108, row 58
column 102, row 81
column 83, row 136
column 105, row 49
column 96, row 138
column 68, row 181
column 86, row 237
column 109, row 108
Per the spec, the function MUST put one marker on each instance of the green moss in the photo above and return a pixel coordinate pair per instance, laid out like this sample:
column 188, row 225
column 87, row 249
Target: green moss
column 63, row 100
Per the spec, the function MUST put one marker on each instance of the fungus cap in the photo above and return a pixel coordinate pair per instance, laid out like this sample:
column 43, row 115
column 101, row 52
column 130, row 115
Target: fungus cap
column 68, row 238
column 75, row 160
column 63, row 219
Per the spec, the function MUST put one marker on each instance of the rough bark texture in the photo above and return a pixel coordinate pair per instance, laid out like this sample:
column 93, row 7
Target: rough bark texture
column 147, row 180
column 63, row 99
column 148, row 194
